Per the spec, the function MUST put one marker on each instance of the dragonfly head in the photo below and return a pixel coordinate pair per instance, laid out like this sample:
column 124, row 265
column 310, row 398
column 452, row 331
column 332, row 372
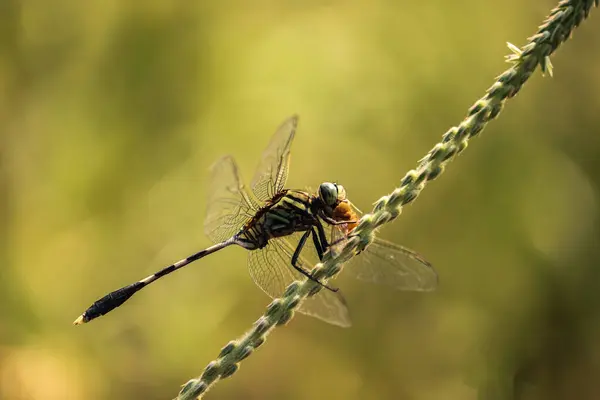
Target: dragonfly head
column 331, row 193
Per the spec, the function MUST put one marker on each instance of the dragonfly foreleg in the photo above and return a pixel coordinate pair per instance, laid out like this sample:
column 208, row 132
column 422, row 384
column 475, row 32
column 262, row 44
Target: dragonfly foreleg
column 332, row 221
column 299, row 268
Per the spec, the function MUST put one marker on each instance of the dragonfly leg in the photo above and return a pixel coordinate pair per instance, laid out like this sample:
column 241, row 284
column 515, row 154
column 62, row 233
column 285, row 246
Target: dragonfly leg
column 298, row 268
column 317, row 244
column 322, row 236
column 332, row 221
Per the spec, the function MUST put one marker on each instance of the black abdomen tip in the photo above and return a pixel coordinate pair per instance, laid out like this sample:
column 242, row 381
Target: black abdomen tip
column 109, row 303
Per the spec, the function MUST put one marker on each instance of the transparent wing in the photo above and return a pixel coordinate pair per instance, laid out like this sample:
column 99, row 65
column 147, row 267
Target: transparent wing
column 229, row 204
column 272, row 172
column 271, row 270
column 385, row 262
column 389, row 264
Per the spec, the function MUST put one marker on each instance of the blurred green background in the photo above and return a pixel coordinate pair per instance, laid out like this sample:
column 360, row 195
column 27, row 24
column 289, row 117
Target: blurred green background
column 111, row 113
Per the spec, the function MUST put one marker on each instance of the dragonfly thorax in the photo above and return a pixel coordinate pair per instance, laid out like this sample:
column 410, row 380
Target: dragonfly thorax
column 288, row 212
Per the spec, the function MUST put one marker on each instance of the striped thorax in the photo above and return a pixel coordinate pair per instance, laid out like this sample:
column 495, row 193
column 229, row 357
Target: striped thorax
column 288, row 212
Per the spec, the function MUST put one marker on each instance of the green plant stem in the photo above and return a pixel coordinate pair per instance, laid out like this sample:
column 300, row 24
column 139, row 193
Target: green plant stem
column 556, row 29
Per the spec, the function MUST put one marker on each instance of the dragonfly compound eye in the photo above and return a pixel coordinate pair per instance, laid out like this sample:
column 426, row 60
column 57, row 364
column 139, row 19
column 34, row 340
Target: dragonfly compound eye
column 341, row 193
column 328, row 193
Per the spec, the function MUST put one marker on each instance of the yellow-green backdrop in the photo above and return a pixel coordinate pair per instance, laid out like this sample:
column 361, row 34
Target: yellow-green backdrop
column 111, row 113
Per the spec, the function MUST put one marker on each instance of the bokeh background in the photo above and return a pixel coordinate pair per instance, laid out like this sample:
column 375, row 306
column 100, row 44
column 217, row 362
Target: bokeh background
column 111, row 113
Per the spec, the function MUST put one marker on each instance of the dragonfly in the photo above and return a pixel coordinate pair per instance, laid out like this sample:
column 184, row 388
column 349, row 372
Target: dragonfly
column 274, row 224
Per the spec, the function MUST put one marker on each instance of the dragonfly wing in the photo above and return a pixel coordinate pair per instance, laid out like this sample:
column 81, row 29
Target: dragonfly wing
column 390, row 264
column 229, row 204
column 271, row 270
column 272, row 172
column 387, row 263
